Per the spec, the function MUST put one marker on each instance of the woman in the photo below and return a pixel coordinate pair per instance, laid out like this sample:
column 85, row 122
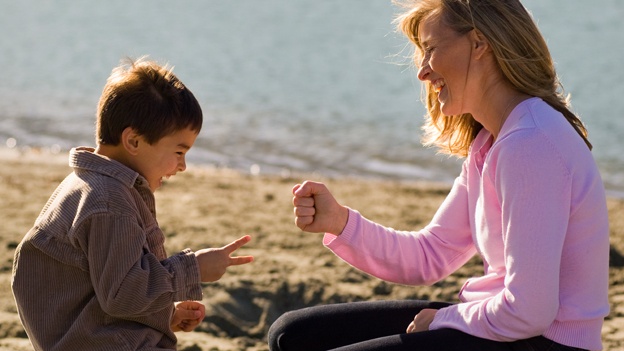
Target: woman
column 529, row 200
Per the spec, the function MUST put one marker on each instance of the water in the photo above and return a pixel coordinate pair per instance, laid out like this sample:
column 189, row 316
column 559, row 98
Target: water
column 285, row 85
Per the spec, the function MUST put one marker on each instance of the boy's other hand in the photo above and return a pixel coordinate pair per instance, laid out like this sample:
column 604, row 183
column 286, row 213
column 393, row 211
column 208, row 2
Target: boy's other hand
column 187, row 315
column 213, row 262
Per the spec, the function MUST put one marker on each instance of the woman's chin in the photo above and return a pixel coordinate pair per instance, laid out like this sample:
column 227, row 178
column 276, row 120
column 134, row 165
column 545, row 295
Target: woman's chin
column 448, row 109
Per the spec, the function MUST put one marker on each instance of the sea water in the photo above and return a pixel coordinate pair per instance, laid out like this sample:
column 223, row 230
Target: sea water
column 285, row 85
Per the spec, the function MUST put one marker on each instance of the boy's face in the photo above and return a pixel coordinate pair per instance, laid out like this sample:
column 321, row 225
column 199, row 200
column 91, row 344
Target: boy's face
column 164, row 158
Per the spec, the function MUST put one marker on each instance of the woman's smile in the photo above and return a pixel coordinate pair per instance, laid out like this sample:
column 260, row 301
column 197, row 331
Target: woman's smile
column 438, row 85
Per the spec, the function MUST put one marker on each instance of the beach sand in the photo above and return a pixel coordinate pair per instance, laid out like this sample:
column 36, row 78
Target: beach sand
column 206, row 207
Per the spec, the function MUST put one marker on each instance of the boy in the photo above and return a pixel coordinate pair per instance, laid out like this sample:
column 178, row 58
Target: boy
column 92, row 274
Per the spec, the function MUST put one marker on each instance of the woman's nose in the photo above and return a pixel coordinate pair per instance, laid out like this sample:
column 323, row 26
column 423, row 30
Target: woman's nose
column 424, row 70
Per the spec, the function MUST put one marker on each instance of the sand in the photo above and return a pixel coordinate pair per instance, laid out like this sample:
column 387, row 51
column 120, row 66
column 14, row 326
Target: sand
column 209, row 207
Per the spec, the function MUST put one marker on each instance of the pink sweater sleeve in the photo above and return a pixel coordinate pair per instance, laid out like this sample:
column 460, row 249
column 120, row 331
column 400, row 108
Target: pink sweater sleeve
column 411, row 258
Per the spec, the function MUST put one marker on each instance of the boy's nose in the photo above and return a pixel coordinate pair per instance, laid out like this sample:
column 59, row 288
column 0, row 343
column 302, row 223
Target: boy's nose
column 182, row 165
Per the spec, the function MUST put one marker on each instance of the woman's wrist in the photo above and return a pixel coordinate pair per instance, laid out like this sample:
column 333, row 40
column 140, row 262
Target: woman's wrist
column 342, row 220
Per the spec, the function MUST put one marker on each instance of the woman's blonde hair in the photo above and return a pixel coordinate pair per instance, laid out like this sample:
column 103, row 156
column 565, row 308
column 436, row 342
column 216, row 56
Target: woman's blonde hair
column 520, row 51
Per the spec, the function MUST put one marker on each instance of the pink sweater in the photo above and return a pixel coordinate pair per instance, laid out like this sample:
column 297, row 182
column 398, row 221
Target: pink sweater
column 532, row 205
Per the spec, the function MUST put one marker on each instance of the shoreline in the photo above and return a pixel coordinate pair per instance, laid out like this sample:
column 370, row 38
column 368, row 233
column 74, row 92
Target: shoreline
column 51, row 154
column 209, row 207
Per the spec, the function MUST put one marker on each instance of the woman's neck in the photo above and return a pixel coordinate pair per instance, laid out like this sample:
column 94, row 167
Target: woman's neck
column 496, row 105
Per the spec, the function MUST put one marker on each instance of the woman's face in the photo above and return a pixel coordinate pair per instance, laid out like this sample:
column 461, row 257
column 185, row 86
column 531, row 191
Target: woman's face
column 445, row 64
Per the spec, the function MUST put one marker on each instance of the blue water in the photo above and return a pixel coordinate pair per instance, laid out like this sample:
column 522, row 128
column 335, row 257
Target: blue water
column 285, row 85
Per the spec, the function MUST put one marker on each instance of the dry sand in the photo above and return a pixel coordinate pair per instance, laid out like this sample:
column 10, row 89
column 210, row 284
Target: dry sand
column 211, row 207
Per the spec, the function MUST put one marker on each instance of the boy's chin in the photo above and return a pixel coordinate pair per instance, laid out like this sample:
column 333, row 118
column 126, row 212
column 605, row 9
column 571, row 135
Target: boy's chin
column 157, row 185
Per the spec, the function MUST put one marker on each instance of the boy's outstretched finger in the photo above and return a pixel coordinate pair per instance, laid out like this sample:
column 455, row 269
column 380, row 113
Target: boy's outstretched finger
column 236, row 244
column 238, row 260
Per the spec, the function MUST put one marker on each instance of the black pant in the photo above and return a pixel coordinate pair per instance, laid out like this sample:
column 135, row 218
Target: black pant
column 380, row 325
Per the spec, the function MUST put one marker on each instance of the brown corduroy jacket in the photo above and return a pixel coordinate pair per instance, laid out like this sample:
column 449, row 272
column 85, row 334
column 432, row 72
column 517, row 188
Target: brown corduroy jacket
column 92, row 273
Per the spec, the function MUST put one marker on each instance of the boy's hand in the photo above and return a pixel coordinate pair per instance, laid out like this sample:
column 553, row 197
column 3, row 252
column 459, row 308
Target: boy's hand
column 187, row 315
column 214, row 262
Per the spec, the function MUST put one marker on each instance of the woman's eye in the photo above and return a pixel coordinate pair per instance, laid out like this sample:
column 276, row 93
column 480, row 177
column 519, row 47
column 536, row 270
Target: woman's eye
column 426, row 55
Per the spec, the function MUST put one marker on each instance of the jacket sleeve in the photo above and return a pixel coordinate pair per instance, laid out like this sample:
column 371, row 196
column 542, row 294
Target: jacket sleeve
column 128, row 279
column 413, row 258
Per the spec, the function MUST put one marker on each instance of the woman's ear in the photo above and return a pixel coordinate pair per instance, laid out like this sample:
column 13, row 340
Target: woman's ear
column 130, row 140
column 480, row 44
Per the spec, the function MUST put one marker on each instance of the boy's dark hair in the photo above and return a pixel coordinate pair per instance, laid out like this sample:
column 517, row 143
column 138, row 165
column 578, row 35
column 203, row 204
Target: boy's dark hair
column 147, row 97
